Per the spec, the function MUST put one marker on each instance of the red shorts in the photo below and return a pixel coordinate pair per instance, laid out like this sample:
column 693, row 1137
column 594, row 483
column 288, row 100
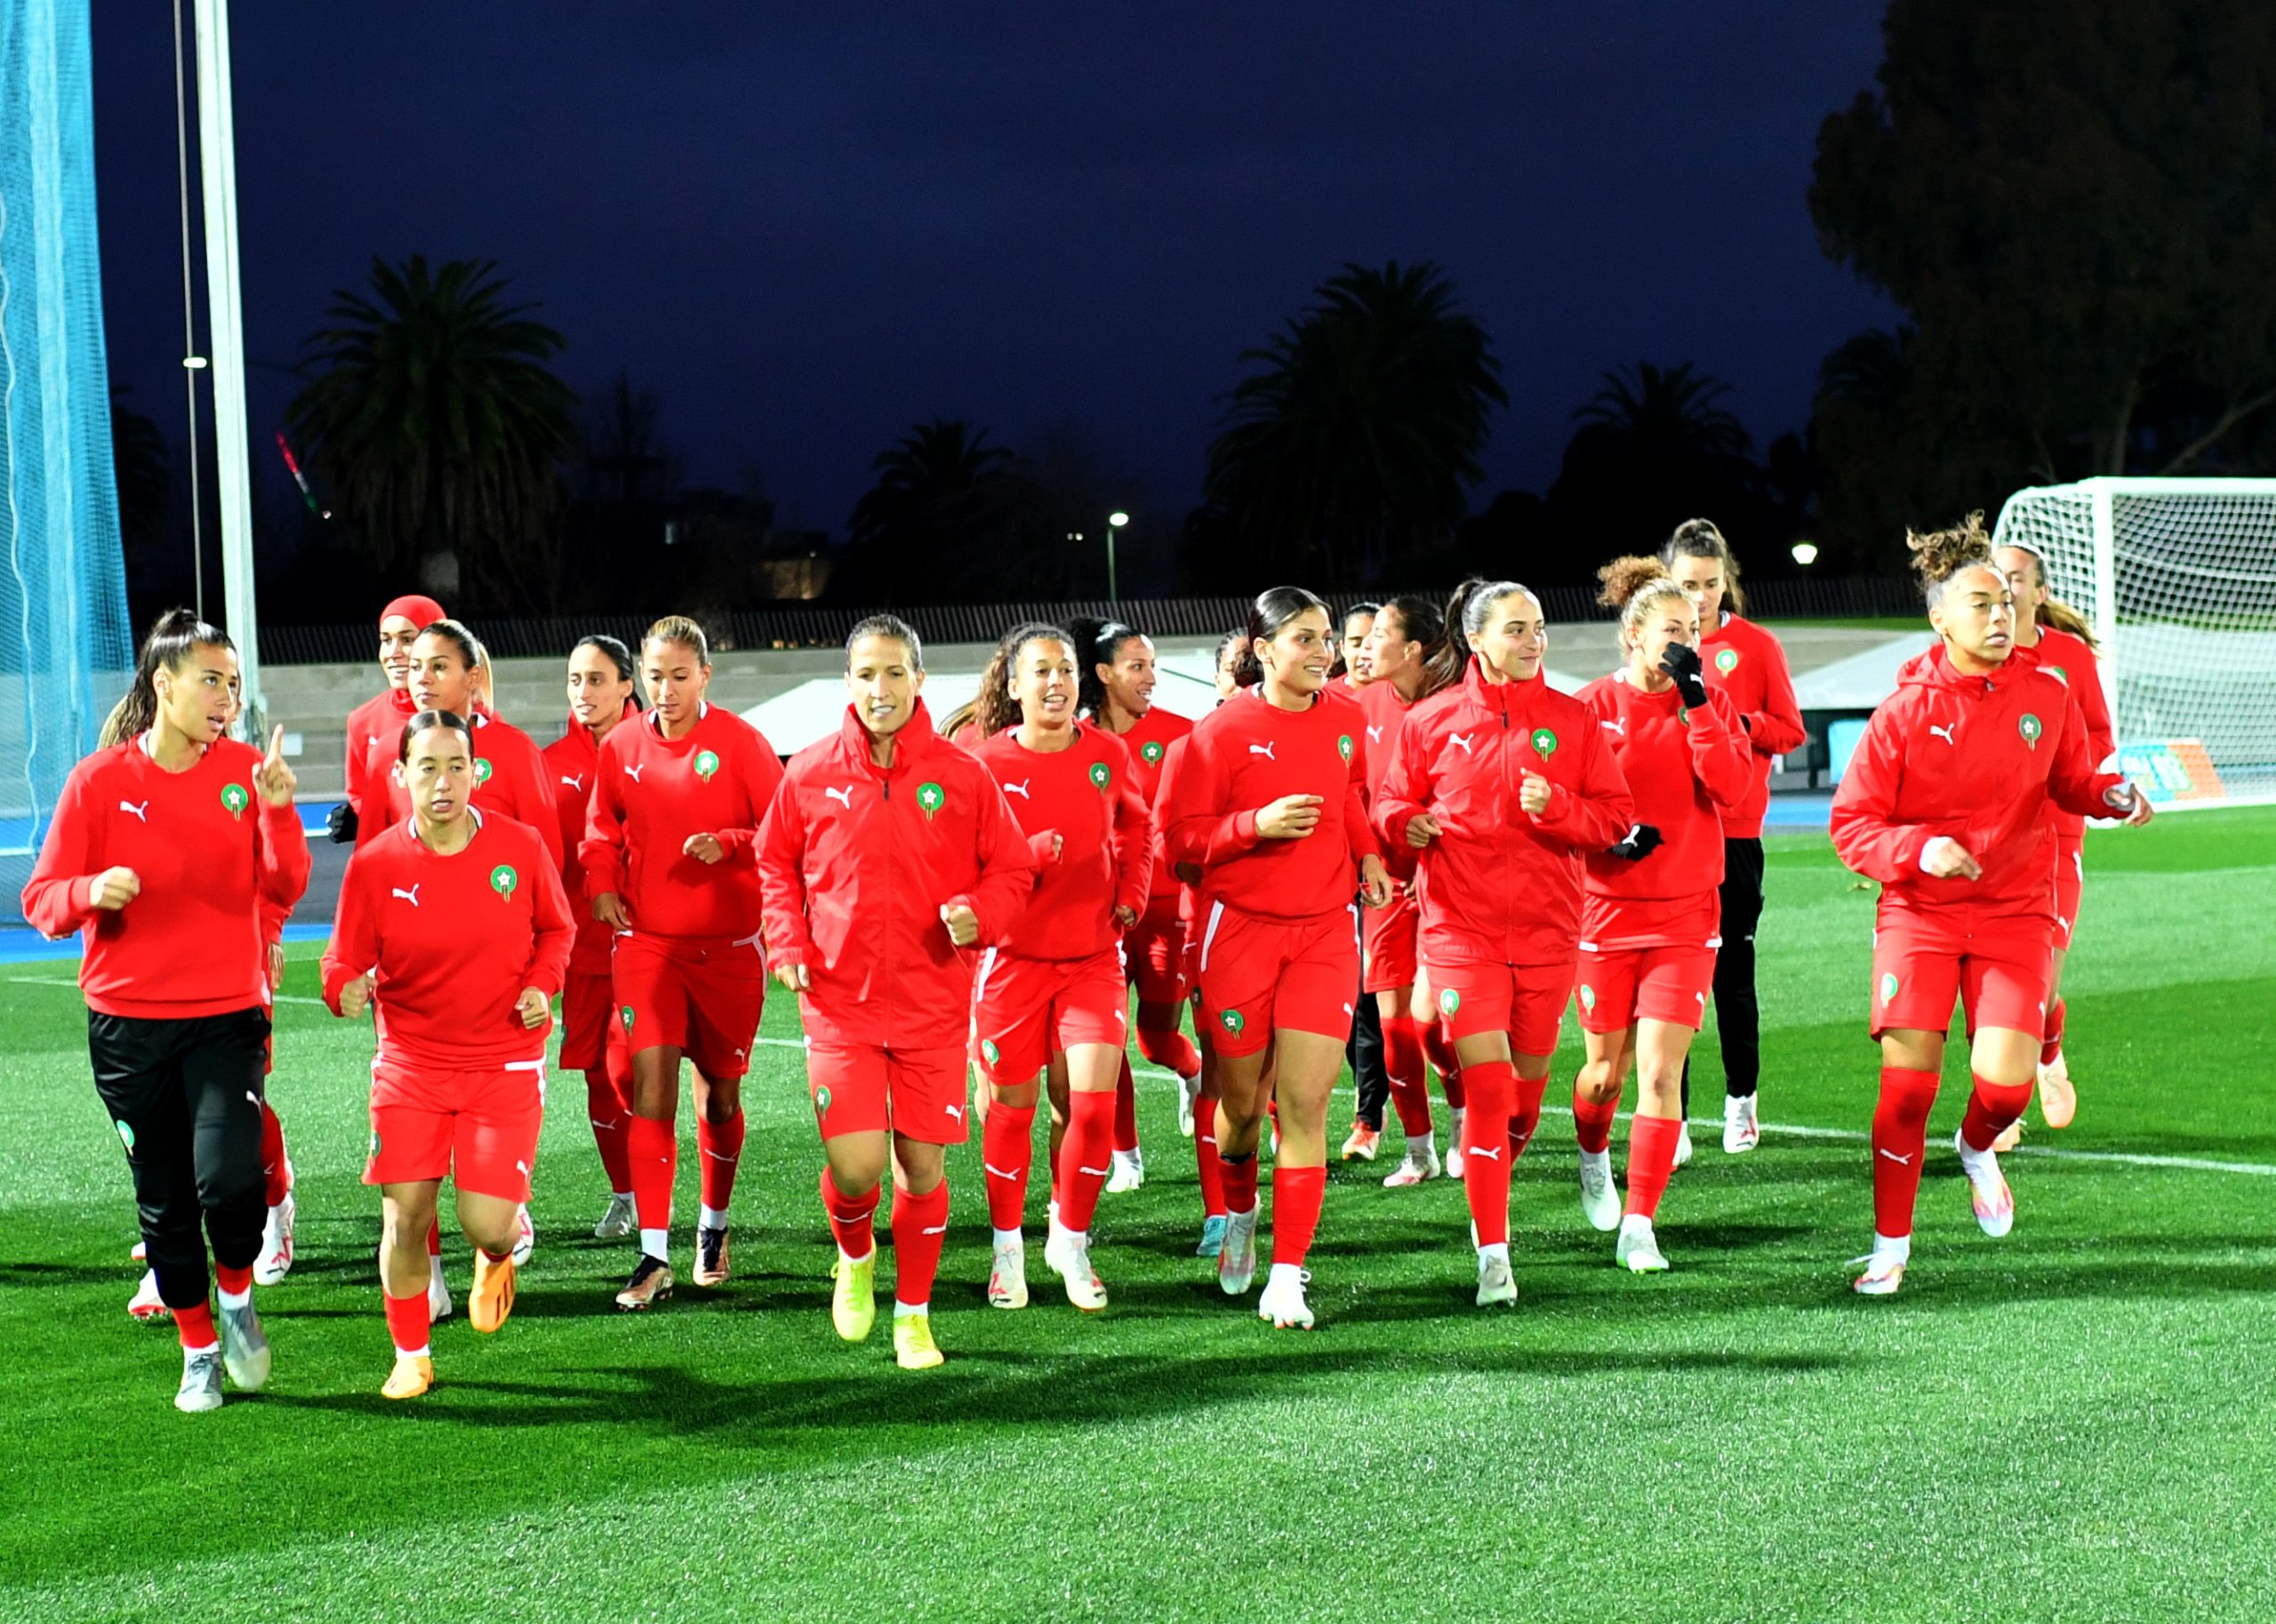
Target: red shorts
column 476, row 1127
column 1387, row 941
column 592, row 1036
column 1527, row 1001
column 2069, row 881
column 1153, row 953
column 702, row 998
column 1026, row 1010
column 1997, row 969
column 1258, row 975
column 867, row 1088
column 1619, row 988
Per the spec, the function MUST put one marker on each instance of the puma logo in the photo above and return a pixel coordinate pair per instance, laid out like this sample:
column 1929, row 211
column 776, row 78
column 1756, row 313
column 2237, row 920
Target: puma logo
column 1264, row 750
column 994, row 1172
column 634, row 772
column 1485, row 1153
column 1944, row 733
column 411, row 896
column 142, row 811
column 1093, row 1173
column 1902, row 1161
column 843, row 797
column 1464, row 739
column 1374, row 735
column 1619, row 725
column 956, row 1111
column 576, row 783
column 1019, row 789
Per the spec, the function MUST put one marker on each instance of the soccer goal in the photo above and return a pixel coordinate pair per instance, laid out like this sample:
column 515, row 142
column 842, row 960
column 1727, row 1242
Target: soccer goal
column 2179, row 578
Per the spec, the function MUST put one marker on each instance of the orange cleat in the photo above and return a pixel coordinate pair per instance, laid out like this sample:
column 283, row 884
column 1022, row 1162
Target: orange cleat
column 493, row 1297
column 412, row 1375
column 2058, row 1101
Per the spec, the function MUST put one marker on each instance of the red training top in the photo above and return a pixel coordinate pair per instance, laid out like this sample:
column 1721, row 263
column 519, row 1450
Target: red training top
column 1149, row 741
column 1386, row 710
column 1500, row 884
column 1746, row 665
column 573, row 760
column 377, row 720
column 2067, row 656
column 509, row 777
column 856, row 862
column 219, row 866
column 1088, row 796
column 454, row 939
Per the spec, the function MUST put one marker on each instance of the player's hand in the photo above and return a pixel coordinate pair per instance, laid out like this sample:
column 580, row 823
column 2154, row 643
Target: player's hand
column 1292, row 817
column 608, row 907
column 532, row 1006
column 1058, row 845
column 275, row 965
column 1946, row 859
column 1422, row 829
column 1533, row 794
column 1681, row 662
column 113, row 888
column 793, row 977
column 272, row 780
column 355, row 997
column 964, row 925
column 1125, row 916
column 1188, row 874
column 341, row 825
column 2131, row 805
column 1640, row 841
column 704, row 849
column 1375, row 882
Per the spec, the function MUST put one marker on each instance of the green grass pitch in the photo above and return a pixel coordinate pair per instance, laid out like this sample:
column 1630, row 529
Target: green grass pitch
column 2077, row 1423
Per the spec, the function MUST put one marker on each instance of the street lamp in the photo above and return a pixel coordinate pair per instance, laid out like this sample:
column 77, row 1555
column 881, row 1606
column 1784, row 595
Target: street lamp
column 1114, row 521
column 1806, row 552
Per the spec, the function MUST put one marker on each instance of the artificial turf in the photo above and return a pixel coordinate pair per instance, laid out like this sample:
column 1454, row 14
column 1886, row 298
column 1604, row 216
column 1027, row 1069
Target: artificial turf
column 2072, row 1423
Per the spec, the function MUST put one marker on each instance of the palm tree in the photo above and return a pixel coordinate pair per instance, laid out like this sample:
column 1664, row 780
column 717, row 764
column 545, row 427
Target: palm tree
column 1358, row 434
column 434, row 420
column 1668, row 414
column 942, row 499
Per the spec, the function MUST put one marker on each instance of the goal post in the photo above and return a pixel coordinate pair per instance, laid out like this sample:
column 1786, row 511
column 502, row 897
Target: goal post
column 2178, row 579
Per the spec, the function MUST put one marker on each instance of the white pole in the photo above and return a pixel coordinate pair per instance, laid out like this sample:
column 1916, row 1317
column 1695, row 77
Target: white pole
column 2105, row 540
column 225, row 333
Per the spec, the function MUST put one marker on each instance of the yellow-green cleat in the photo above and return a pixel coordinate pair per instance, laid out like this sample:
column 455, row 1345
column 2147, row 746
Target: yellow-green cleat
column 913, row 1347
column 853, row 1305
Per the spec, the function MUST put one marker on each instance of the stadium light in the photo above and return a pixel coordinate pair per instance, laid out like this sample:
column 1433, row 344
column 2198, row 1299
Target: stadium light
column 1114, row 521
column 1806, row 552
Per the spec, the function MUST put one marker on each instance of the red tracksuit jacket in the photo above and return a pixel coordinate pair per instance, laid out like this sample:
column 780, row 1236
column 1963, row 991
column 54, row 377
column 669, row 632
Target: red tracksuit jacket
column 1683, row 767
column 454, row 939
column 1086, row 796
column 856, row 862
column 509, row 777
column 651, row 794
column 217, row 864
column 2064, row 655
column 573, row 760
column 378, row 720
column 1242, row 756
column 1150, row 742
column 1386, row 712
column 1746, row 665
column 1501, row 885
column 1987, row 761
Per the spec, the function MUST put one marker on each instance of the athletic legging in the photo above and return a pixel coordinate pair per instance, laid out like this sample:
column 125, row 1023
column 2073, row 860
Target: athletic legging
column 1738, row 1016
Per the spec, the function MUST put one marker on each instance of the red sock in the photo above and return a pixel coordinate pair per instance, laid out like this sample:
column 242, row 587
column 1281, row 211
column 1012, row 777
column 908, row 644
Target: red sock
column 1161, row 1041
column 195, row 1325
column 235, row 1281
column 1296, row 1195
column 2052, row 1046
column 1205, row 1157
column 1085, row 1157
column 1990, row 1107
column 920, row 1226
column 276, row 1171
column 408, row 1324
column 1486, row 1149
column 1900, row 1137
column 1592, row 1122
column 1238, row 1176
column 1449, row 1069
column 1006, row 1148
column 1125, row 1108
column 720, row 1147
column 851, row 1217
column 435, row 1235
column 1525, row 1113
column 1651, row 1158
column 606, row 1108
column 1410, row 1095
column 652, row 1149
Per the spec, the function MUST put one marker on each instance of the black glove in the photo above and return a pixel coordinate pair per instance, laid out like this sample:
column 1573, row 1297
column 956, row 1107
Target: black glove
column 339, row 823
column 1682, row 661
column 1638, row 843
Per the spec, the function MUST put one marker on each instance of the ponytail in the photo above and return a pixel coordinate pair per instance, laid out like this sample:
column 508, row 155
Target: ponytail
column 173, row 635
column 1448, row 655
column 2062, row 617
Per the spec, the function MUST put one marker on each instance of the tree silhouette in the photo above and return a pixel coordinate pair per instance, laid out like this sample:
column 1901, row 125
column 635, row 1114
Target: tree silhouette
column 932, row 522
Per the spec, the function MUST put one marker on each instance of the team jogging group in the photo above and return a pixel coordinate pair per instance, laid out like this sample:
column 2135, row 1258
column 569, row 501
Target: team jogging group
column 1390, row 835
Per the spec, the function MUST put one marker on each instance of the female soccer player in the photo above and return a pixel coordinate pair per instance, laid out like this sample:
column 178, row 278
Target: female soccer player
column 1270, row 801
column 1050, row 994
column 1649, row 929
column 454, row 927
column 602, row 694
column 373, row 725
column 1747, row 666
column 669, row 853
column 1949, row 803
column 1350, row 668
column 2065, row 645
column 163, row 852
column 1500, row 786
column 887, row 856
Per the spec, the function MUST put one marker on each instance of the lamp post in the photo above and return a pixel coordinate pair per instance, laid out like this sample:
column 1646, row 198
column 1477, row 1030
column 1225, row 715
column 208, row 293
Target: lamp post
column 1114, row 521
column 1806, row 552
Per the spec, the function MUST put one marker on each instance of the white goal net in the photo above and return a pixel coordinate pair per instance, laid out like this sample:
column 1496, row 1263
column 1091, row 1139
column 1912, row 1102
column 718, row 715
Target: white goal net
column 2179, row 578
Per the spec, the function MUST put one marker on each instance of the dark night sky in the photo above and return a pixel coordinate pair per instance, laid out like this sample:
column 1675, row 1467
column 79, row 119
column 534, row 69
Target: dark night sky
column 808, row 232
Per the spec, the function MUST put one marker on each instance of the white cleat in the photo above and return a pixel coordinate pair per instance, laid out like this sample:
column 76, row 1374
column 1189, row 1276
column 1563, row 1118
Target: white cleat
column 1188, row 1094
column 438, row 1293
column 619, row 1221
column 245, row 1350
column 1455, row 1160
column 1069, row 1253
column 275, row 1260
column 1741, row 1131
column 146, row 1305
column 1282, row 1300
column 1007, row 1276
column 1599, row 1197
column 1884, row 1270
column 525, row 1238
column 1638, row 1250
column 1683, row 1144
column 1495, row 1283
column 1419, row 1165
column 1987, row 1189
column 201, row 1381
column 1126, row 1172
column 1236, row 1257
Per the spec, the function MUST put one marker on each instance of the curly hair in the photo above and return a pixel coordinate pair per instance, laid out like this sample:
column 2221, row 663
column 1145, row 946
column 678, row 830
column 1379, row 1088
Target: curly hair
column 1939, row 554
column 997, row 709
column 1633, row 584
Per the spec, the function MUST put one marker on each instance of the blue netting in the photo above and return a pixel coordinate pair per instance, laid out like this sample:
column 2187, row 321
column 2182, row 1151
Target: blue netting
column 65, row 645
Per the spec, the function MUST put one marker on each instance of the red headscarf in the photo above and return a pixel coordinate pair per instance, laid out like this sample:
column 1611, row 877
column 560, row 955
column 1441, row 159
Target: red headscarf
column 420, row 611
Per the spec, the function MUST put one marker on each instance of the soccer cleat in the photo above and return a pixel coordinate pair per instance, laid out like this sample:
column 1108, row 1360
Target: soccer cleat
column 526, row 1241
column 413, row 1374
column 1275, row 1151
column 1363, row 1143
column 491, row 1299
column 1007, row 1276
column 1069, row 1253
column 1638, row 1250
column 201, row 1381
column 1189, row 1096
column 245, row 1350
column 710, row 1255
column 1683, row 1144
column 619, row 1221
column 1419, row 1165
column 2008, row 1137
column 1282, row 1300
column 2058, row 1101
column 140, row 1253
column 1128, row 1172
column 913, row 1347
column 1987, row 1189
column 146, row 1305
column 438, row 1293
column 1741, row 1131
column 854, row 1303
column 1212, row 1236
column 1884, row 1273
column 650, row 1284
column 1455, row 1161
column 1495, row 1283
column 1236, row 1255
column 1599, row 1199
column 275, row 1260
